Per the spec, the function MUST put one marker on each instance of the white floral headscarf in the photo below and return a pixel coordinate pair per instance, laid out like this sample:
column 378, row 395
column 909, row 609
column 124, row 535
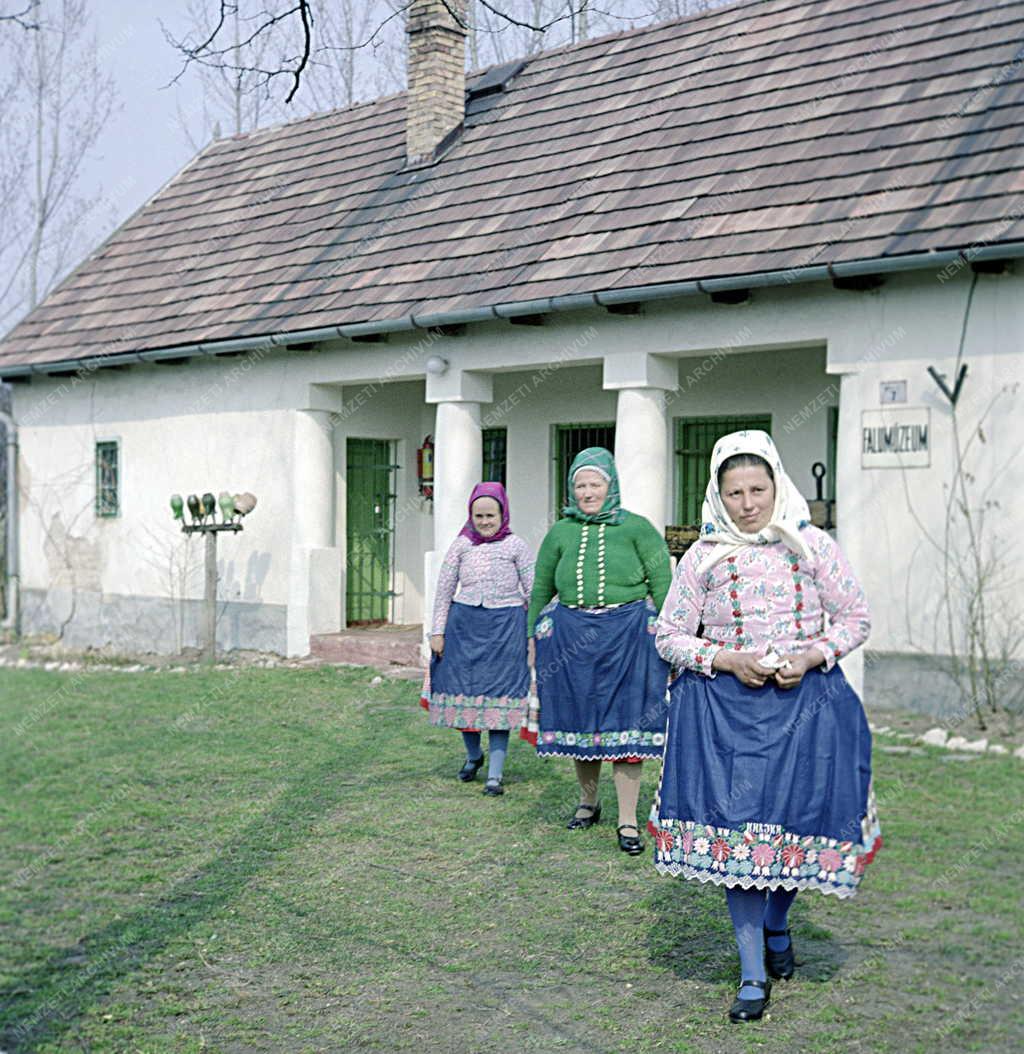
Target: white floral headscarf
column 788, row 516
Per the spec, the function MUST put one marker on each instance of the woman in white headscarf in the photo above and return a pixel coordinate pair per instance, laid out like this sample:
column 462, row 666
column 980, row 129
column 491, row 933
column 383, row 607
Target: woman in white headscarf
column 766, row 782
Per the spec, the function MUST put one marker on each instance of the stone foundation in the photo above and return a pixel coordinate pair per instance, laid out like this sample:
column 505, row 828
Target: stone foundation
column 138, row 624
column 920, row 683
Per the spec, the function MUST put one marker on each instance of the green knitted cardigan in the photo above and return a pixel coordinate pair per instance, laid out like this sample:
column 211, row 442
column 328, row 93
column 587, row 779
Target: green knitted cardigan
column 631, row 563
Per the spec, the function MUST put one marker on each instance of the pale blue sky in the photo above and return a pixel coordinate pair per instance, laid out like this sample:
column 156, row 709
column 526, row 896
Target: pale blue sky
column 143, row 144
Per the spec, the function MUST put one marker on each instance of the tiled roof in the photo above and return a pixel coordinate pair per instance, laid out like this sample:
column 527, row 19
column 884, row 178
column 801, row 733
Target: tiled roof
column 758, row 137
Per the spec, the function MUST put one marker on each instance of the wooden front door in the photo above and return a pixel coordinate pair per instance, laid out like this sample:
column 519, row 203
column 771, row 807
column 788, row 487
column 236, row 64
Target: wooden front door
column 370, row 528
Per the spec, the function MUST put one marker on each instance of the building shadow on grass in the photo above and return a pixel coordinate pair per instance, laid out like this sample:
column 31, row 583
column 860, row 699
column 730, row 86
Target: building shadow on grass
column 693, row 936
column 45, row 1001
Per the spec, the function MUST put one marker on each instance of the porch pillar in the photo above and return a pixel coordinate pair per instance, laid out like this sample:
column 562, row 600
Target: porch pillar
column 314, row 572
column 458, row 456
column 854, row 517
column 642, row 435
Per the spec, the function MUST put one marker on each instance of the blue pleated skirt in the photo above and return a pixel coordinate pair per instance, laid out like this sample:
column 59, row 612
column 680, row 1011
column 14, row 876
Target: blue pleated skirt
column 764, row 787
column 601, row 683
column 483, row 679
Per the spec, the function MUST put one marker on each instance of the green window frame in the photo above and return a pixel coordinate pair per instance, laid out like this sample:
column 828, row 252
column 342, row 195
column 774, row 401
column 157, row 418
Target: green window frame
column 570, row 439
column 108, row 479
column 695, row 439
column 495, row 455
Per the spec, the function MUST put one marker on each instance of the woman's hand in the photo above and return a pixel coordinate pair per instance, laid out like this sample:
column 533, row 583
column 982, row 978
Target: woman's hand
column 790, row 675
column 437, row 644
column 743, row 665
column 531, row 651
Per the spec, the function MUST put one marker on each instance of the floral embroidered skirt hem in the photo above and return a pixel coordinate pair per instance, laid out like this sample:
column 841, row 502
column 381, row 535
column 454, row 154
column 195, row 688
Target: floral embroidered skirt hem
column 766, row 788
column 483, row 680
column 601, row 683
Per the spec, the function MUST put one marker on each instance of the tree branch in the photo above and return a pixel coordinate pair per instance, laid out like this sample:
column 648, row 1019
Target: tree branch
column 307, row 40
column 210, row 54
column 20, row 18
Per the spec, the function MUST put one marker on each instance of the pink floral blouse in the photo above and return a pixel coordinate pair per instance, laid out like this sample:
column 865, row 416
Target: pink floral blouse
column 494, row 574
column 763, row 597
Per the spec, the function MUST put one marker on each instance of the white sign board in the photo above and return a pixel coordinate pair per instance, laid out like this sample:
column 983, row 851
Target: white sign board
column 892, row 392
column 895, row 438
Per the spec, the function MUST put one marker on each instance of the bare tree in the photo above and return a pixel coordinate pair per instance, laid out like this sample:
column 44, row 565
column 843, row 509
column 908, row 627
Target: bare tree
column 314, row 44
column 360, row 50
column 983, row 622
column 24, row 15
column 979, row 621
column 234, row 98
column 54, row 107
column 666, row 10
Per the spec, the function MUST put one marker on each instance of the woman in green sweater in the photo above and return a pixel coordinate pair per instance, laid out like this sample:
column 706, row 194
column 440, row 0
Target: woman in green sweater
column 600, row 679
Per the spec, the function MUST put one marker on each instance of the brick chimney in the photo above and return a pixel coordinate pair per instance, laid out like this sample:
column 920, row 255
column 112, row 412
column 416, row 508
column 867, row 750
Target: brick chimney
column 437, row 75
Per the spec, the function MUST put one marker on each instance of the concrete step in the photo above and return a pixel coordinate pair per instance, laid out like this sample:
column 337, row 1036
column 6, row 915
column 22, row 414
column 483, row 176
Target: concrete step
column 380, row 646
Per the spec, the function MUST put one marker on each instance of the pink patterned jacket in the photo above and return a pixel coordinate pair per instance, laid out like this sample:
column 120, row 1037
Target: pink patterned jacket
column 763, row 597
column 495, row 574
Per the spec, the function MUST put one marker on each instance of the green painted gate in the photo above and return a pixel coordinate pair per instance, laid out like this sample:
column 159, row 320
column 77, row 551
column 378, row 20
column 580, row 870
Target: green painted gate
column 370, row 528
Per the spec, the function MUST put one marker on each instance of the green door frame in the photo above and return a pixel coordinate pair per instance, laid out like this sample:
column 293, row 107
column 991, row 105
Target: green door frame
column 369, row 530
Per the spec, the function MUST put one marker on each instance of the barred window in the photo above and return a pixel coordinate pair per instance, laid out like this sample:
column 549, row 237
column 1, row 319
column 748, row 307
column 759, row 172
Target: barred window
column 695, row 439
column 570, row 439
column 107, row 479
column 495, row 443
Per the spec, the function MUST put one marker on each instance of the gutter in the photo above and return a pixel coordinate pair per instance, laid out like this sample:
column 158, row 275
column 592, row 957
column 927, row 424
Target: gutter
column 548, row 305
column 12, row 615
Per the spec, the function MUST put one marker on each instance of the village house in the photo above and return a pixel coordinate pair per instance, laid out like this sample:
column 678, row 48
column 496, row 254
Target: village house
column 802, row 217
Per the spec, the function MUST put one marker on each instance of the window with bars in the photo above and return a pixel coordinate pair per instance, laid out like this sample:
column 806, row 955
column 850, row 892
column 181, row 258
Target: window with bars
column 569, row 441
column 695, row 439
column 495, row 443
column 107, row 479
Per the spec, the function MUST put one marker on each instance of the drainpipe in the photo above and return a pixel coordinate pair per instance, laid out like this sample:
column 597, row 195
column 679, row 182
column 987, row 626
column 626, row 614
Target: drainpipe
column 11, row 619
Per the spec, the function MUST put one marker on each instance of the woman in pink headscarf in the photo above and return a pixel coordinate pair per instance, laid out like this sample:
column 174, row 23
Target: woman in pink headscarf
column 479, row 677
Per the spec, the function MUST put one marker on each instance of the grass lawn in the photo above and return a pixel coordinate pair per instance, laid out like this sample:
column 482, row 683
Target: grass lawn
column 282, row 860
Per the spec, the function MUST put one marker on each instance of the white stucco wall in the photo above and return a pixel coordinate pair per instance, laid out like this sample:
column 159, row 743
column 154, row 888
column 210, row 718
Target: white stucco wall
column 899, row 540
column 209, row 426
column 787, row 351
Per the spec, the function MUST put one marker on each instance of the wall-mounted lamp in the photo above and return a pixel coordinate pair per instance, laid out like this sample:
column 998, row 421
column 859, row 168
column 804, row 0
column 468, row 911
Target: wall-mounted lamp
column 436, row 365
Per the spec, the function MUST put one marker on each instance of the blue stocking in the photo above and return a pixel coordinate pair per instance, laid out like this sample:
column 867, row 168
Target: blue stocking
column 775, row 913
column 472, row 742
column 499, row 748
column 746, row 906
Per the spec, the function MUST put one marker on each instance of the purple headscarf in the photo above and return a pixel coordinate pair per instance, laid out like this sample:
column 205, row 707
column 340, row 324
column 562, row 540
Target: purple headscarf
column 487, row 490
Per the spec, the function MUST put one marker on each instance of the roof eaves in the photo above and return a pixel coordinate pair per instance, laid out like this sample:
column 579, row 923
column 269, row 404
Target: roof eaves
column 934, row 260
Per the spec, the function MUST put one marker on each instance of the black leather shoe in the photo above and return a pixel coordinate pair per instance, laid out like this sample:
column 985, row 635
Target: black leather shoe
column 779, row 964
column 578, row 823
column 751, row 1009
column 629, row 843
column 493, row 787
column 468, row 771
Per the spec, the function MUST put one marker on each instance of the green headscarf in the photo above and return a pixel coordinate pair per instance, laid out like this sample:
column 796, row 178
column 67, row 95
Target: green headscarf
column 600, row 460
